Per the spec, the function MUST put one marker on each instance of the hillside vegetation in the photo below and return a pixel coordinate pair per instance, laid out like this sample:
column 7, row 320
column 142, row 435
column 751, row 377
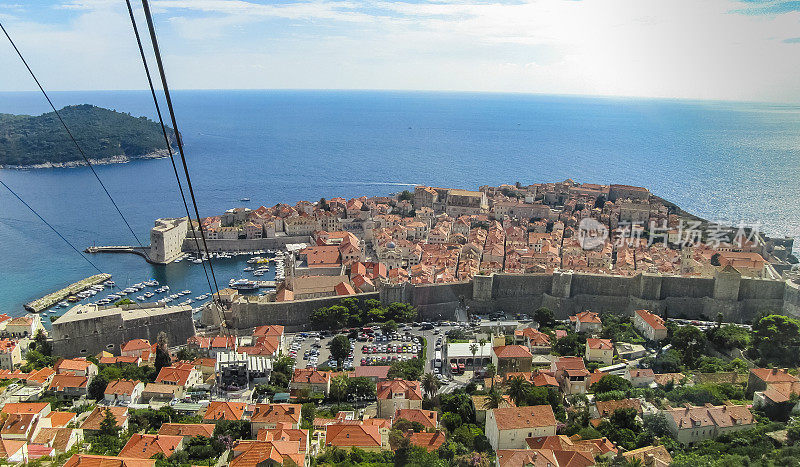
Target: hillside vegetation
column 27, row 140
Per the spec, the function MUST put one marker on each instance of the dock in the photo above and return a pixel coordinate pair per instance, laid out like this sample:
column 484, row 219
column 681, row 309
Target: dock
column 51, row 299
column 266, row 284
column 136, row 250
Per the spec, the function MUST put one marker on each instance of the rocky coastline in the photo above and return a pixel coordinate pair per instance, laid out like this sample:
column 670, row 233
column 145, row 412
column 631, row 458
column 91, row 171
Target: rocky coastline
column 119, row 159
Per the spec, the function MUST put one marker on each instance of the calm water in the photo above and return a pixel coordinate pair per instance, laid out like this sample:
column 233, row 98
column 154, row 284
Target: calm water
column 720, row 160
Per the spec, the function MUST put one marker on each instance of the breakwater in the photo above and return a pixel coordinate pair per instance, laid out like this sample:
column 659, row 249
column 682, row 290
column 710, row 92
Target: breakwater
column 51, row 299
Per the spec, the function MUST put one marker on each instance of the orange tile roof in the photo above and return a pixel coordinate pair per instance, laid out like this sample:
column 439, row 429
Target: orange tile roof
column 87, row 460
column 60, row 419
column 24, row 407
column 276, row 413
column 173, row 375
column 258, row 453
column 187, row 429
column 145, row 446
column 412, row 390
column 774, row 375
column 269, row 330
column 352, row 435
column 60, row 382
column 599, row 344
column 311, row 376
column 607, row 408
column 430, row 441
column 586, row 317
column 524, row 417
column 92, row 422
column 18, row 424
column 526, row 457
column 222, row 410
column 652, row 320
column 428, row 418
column 512, row 351
column 73, row 364
column 123, row 387
column 136, row 344
column 285, row 434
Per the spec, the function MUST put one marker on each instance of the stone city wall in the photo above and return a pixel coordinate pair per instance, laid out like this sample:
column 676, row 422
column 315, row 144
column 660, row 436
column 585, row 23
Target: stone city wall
column 738, row 299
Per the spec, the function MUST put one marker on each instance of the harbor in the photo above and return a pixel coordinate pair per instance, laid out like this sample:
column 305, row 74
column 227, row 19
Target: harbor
column 51, row 299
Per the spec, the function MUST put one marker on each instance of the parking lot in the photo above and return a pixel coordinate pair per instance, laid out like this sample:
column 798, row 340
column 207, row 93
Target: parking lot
column 370, row 346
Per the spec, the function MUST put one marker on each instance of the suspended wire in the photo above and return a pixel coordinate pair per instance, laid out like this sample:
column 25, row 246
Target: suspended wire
column 80, row 150
column 156, row 51
column 51, row 227
column 166, row 140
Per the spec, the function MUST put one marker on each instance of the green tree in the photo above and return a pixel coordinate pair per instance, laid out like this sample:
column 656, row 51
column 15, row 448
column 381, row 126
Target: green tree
column 389, row 327
column 97, row 387
column 518, row 389
column 124, row 301
column 573, row 344
column 430, row 385
column 611, row 383
column 473, row 349
column 340, row 349
column 451, row 421
column 361, row 387
column 405, row 195
column 43, row 345
column 339, row 388
column 544, row 316
column 108, row 426
column 493, row 399
column 691, row 342
column 777, row 339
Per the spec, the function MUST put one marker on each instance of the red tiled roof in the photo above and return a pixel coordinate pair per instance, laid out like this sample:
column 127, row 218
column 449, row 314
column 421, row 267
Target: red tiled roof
column 187, row 429
column 428, row 418
column 774, row 375
column 92, row 422
column 87, row 460
column 412, row 390
column 430, row 441
column 60, row 382
column 352, row 435
column 652, row 320
column 277, row 413
column 123, row 387
column 586, row 317
column 144, row 446
column 512, row 351
column 600, row 344
column 136, row 344
column 524, row 417
column 24, row 407
column 222, row 410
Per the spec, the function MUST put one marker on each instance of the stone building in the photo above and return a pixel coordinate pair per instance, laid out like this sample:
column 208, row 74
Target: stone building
column 90, row 329
column 166, row 239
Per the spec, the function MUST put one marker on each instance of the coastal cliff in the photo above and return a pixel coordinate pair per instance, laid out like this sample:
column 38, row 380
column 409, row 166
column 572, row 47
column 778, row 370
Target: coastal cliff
column 106, row 136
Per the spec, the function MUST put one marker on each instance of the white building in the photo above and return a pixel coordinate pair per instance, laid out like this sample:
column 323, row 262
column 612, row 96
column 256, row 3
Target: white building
column 166, row 239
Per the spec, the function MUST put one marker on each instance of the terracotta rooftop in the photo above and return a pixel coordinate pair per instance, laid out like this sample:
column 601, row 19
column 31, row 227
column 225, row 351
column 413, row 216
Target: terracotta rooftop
column 599, row 344
column 187, row 429
column 145, row 446
column 223, row 410
column 430, row 441
column 352, row 435
column 524, row 417
column 512, row 351
column 87, row 460
column 654, row 321
column 277, row 413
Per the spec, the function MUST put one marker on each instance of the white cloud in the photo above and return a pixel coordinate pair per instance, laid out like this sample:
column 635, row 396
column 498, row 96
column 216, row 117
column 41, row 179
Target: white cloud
column 679, row 48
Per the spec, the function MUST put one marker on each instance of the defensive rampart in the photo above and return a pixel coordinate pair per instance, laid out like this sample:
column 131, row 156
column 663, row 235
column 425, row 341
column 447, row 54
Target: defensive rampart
column 738, row 299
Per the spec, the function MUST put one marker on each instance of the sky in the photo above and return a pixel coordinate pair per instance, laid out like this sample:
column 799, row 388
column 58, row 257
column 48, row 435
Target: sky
column 695, row 49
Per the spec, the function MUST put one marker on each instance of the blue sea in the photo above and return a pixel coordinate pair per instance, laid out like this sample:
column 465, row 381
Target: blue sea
column 720, row 160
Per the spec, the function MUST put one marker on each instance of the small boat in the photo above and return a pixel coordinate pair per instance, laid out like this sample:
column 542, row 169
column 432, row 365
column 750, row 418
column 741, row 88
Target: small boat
column 197, row 261
column 178, row 260
column 73, row 299
column 248, row 268
column 109, row 283
column 244, row 199
column 140, row 298
column 244, row 284
column 258, row 273
column 148, row 294
column 63, row 304
column 186, row 292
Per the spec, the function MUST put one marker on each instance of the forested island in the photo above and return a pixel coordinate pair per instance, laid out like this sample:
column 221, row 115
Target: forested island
column 106, row 136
